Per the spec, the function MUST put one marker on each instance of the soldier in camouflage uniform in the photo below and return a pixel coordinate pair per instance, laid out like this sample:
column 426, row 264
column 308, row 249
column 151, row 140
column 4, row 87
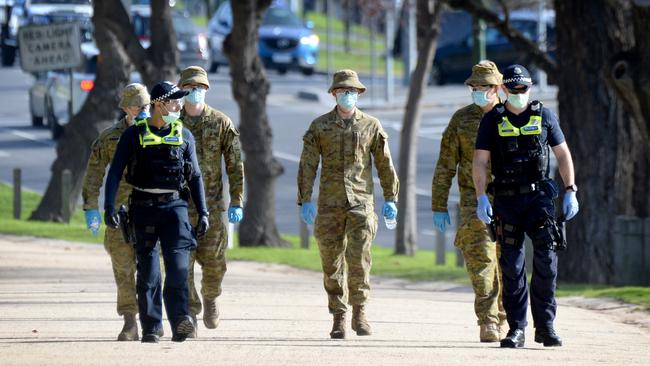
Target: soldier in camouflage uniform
column 134, row 100
column 216, row 138
column 472, row 238
column 347, row 140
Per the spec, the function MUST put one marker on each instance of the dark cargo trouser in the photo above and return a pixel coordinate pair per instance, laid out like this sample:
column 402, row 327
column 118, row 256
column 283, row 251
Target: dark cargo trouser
column 481, row 260
column 211, row 255
column 344, row 237
column 524, row 212
column 169, row 224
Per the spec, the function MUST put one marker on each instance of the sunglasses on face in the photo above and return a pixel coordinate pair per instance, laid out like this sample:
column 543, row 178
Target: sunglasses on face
column 517, row 91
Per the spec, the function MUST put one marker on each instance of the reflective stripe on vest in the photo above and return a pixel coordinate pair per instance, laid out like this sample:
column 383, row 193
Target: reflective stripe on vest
column 148, row 138
column 533, row 127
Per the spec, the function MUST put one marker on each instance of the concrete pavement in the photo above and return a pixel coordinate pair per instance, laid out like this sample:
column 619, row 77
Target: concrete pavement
column 57, row 307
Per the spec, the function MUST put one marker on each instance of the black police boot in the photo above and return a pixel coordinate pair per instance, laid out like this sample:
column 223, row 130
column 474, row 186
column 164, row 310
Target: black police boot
column 514, row 339
column 152, row 334
column 183, row 328
column 548, row 337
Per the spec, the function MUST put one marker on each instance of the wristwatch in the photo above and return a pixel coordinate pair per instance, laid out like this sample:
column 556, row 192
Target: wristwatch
column 572, row 187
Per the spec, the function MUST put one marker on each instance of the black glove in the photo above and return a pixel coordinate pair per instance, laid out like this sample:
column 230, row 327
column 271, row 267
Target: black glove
column 202, row 225
column 111, row 219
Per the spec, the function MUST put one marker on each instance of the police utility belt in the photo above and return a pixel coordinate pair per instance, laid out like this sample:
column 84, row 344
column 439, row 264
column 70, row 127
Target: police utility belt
column 150, row 197
column 514, row 190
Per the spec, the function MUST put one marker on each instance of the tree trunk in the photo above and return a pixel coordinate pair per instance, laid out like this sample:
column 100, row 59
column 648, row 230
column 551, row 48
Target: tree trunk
column 605, row 109
column 428, row 30
column 97, row 113
column 117, row 43
column 250, row 88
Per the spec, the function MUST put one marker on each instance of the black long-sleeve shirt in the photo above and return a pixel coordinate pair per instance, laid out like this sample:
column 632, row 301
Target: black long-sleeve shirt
column 126, row 148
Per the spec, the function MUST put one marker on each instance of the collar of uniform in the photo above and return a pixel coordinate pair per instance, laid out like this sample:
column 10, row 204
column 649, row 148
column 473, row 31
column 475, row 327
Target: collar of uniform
column 336, row 118
column 123, row 124
column 207, row 111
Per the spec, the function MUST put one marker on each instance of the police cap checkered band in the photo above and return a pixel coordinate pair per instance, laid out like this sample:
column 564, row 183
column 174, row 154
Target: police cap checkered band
column 516, row 75
column 165, row 90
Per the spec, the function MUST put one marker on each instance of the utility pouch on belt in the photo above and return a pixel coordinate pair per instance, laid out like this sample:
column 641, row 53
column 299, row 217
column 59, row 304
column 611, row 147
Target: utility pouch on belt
column 494, row 229
column 128, row 233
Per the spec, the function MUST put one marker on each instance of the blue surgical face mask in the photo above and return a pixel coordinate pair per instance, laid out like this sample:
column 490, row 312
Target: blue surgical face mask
column 347, row 100
column 518, row 100
column 196, row 96
column 480, row 98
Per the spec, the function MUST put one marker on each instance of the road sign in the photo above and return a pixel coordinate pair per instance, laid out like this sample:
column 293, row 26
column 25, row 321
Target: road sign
column 49, row 47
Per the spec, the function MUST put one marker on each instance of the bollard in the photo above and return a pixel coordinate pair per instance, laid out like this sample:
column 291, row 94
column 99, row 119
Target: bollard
column 17, row 193
column 66, row 191
column 304, row 232
column 231, row 230
column 460, row 260
column 440, row 248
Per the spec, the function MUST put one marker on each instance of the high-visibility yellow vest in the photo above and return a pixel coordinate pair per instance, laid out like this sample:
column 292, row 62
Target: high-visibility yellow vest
column 148, row 138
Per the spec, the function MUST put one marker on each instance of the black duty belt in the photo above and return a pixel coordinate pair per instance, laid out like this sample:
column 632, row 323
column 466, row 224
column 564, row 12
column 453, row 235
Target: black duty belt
column 140, row 198
column 513, row 190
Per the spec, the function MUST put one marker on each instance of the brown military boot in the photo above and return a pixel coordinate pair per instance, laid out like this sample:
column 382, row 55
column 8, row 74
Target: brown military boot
column 210, row 313
column 338, row 328
column 359, row 321
column 490, row 332
column 129, row 330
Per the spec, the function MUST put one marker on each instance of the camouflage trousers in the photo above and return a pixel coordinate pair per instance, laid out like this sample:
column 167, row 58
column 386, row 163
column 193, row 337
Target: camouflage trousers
column 344, row 238
column 481, row 260
column 211, row 256
column 124, row 264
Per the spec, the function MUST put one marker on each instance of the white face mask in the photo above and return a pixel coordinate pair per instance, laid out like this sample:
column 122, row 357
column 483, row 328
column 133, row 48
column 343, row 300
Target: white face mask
column 171, row 116
column 519, row 100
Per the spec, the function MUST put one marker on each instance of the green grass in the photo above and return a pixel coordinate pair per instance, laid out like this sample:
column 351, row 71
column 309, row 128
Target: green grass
column 74, row 231
column 320, row 25
column 420, row 267
column 628, row 294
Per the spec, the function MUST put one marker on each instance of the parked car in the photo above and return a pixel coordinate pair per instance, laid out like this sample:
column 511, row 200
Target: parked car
column 285, row 41
column 192, row 42
column 453, row 61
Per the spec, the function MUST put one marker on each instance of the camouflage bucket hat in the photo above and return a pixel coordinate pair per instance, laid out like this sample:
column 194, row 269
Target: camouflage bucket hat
column 485, row 73
column 194, row 74
column 346, row 79
column 134, row 95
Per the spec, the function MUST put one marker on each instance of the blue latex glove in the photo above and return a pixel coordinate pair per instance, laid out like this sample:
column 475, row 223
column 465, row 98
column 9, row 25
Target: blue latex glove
column 308, row 213
column 441, row 220
column 484, row 209
column 235, row 214
column 570, row 205
column 389, row 210
column 93, row 220
column 142, row 115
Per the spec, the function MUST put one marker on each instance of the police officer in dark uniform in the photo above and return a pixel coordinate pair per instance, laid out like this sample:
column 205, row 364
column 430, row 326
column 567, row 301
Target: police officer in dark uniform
column 161, row 161
column 515, row 137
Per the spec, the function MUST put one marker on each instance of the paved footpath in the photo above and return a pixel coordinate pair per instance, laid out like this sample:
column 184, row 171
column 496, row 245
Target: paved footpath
column 57, row 307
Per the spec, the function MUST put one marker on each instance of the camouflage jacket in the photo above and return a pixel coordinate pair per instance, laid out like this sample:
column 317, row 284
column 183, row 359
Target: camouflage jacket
column 216, row 136
column 456, row 155
column 346, row 150
column 101, row 154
